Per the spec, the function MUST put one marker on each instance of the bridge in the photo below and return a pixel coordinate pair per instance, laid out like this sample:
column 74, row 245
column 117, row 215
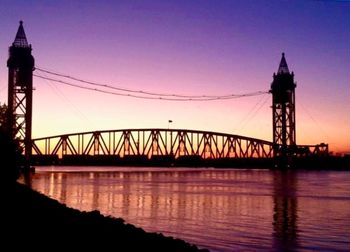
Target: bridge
column 153, row 146
column 156, row 145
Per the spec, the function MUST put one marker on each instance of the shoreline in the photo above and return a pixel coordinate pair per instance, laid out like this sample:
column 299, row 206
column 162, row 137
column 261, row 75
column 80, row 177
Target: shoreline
column 36, row 220
column 326, row 162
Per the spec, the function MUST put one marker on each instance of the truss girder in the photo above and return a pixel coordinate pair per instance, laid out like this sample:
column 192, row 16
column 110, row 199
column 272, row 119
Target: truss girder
column 154, row 142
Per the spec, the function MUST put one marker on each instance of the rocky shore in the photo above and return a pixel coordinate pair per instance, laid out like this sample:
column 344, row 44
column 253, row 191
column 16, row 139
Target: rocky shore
column 34, row 222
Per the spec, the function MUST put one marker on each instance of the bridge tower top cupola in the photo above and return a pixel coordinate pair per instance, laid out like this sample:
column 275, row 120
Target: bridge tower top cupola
column 283, row 110
column 283, row 82
column 20, row 53
column 283, row 67
column 21, row 39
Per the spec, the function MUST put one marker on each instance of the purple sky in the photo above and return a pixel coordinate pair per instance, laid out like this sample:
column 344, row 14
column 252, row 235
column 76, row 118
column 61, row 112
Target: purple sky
column 186, row 47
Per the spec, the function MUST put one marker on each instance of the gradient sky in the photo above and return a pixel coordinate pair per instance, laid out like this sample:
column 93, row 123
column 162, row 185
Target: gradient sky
column 186, row 47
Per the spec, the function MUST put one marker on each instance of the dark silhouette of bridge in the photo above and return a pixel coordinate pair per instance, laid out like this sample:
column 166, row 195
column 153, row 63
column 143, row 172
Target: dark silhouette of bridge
column 151, row 146
column 154, row 147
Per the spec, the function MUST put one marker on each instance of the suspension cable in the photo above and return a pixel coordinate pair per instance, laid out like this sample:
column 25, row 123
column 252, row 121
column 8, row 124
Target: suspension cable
column 143, row 94
column 150, row 97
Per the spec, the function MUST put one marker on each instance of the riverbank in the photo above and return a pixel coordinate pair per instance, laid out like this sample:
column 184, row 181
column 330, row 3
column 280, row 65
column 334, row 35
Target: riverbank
column 31, row 220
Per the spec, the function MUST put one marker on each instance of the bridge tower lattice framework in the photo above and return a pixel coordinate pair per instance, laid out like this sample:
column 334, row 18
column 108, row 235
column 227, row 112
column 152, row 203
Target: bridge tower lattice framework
column 283, row 112
column 20, row 91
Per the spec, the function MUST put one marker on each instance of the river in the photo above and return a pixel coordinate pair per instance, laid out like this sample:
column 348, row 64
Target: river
column 222, row 210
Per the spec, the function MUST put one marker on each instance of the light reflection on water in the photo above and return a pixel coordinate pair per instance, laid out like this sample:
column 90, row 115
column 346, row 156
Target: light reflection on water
column 223, row 210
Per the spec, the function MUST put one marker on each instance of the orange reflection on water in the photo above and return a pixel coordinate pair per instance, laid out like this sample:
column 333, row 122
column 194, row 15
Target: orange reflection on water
column 222, row 210
column 191, row 203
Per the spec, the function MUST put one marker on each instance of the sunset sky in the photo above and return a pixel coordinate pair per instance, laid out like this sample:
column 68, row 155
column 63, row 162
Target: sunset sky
column 191, row 47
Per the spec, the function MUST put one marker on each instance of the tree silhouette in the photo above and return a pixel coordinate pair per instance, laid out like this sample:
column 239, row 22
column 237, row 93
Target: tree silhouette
column 10, row 151
column 3, row 117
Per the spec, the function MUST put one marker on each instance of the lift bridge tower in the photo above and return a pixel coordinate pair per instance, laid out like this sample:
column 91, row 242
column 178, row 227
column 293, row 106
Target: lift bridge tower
column 283, row 113
column 20, row 90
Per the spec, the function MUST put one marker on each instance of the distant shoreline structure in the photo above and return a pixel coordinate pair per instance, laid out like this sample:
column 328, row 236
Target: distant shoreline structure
column 307, row 163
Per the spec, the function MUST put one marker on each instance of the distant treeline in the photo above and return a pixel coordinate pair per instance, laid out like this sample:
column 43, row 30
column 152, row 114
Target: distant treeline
column 311, row 162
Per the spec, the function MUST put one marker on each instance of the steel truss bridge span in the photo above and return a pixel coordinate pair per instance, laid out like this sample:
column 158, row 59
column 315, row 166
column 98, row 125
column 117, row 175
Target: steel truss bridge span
column 152, row 143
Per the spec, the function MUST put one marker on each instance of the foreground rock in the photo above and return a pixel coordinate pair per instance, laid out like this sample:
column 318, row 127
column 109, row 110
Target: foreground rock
column 35, row 222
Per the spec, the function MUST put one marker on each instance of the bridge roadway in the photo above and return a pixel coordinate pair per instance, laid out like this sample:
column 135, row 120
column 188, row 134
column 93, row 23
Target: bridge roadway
column 159, row 145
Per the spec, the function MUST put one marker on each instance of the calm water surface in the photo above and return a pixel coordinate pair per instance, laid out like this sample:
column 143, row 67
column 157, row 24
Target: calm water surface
column 222, row 210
